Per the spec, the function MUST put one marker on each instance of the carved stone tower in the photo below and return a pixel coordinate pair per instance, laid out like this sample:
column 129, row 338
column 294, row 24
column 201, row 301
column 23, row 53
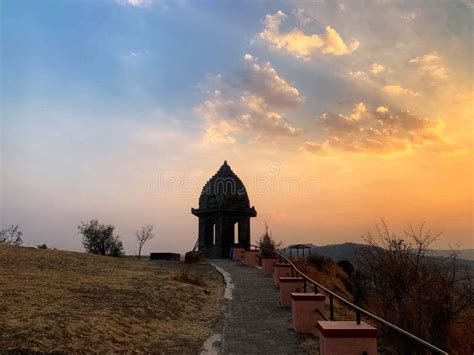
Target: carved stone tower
column 224, row 214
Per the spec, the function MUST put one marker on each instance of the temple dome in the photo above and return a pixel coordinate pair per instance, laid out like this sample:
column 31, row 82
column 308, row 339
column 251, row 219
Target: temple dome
column 224, row 191
column 224, row 214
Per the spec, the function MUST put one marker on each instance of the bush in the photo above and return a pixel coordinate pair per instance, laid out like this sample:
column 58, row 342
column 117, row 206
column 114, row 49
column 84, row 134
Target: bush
column 192, row 257
column 347, row 266
column 267, row 244
column 422, row 294
column 11, row 235
column 42, row 246
column 319, row 262
column 100, row 239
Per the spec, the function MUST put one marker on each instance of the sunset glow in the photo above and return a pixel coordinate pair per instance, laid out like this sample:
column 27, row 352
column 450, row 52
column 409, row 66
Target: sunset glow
column 333, row 114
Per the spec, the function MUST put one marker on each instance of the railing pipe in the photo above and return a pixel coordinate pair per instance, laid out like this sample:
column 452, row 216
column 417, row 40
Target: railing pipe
column 370, row 315
column 331, row 307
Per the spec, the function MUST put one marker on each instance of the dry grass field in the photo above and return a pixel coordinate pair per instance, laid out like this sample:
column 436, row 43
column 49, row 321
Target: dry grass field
column 73, row 302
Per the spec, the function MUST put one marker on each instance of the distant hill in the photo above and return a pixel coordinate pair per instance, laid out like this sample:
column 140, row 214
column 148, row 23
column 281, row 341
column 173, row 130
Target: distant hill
column 466, row 254
column 337, row 252
column 348, row 251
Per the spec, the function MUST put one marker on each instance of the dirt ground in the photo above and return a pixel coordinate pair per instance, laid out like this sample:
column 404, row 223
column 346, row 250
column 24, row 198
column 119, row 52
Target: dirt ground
column 73, row 302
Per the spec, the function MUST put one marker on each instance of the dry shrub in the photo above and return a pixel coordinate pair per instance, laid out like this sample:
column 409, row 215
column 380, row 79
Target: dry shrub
column 189, row 276
column 319, row 262
column 460, row 334
column 403, row 283
column 267, row 243
column 192, row 257
column 327, row 273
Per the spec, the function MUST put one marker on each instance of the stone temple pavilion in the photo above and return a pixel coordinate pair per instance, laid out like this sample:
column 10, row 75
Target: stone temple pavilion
column 224, row 214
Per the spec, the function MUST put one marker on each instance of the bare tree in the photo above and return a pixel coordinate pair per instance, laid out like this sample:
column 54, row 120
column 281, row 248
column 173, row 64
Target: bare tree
column 11, row 235
column 144, row 235
column 399, row 279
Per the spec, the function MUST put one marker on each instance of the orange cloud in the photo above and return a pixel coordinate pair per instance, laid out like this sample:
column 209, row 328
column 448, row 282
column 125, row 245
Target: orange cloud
column 263, row 80
column 250, row 106
column 377, row 68
column 377, row 131
column 395, row 90
column 301, row 45
column 431, row 64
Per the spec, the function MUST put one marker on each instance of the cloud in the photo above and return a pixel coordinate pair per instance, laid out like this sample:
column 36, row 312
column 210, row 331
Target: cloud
column 368, row 130
column 358, row 74
column 377, row 68
column 396, row 90
column 248, row 57
column 249, row 105
column 263, row 80
column 135, row 3
column 303, row 17
column 411, row 16
column 226, row 117
column 300, row 45
column 431, row 64
column 316, row 148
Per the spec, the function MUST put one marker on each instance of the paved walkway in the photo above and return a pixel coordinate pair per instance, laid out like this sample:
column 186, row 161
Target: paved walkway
column 254, row 322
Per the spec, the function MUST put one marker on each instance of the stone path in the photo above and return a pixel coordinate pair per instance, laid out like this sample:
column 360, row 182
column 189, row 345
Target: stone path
column 254, row 322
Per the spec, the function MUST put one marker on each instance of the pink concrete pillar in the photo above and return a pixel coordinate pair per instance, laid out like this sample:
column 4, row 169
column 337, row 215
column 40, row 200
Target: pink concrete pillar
column 267, row 264
column 304, row 308
column 237, row 253
column 287, row 286
column 346, row 338
column 280, row 270
column 250, row 257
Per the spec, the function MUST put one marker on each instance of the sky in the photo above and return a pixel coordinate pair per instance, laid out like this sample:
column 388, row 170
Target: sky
column 334, row 114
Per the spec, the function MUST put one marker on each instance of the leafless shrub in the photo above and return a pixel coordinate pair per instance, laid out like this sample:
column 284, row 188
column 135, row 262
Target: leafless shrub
column 11, row 235
column 399, row 279
column 144, row 235
column 267, row 243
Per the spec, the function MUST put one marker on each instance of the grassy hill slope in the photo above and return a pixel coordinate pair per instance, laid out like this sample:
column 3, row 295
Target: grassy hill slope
column 69, row 302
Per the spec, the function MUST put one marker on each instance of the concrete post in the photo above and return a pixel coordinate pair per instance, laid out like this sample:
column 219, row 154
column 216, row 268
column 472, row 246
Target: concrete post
column 237, row 252
column 267, row 264
column 304, row 308
column 280, row 270
column 346, row 338
column 287, row 286
column 250, row 257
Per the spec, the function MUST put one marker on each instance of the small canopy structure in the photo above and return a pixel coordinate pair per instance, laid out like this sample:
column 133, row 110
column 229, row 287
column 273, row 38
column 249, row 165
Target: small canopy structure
column 224, row 214
column 295, row 249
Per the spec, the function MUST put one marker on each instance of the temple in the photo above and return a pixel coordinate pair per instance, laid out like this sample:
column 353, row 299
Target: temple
column 224, row 214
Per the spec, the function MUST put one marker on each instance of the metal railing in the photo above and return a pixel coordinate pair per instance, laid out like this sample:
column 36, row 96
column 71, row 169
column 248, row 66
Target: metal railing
column 358, row 310
column 196, row 245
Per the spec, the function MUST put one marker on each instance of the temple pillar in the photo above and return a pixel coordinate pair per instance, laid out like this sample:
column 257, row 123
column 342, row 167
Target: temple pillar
column 227, row 237
column 244, row 232
column 202, row 234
